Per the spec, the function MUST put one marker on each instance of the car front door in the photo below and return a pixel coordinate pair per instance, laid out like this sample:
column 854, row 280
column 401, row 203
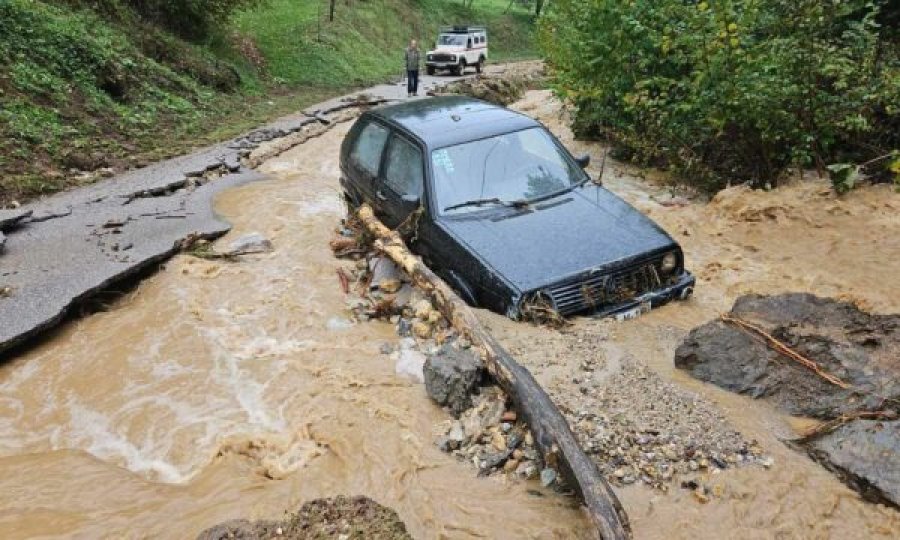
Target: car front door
column 400, row 186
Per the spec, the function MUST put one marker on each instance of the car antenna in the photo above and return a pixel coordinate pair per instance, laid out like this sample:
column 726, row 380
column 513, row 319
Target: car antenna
column 599, row 180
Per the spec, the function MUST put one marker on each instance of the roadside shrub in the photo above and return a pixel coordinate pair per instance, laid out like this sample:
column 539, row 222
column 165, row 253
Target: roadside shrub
column 192, row 19
column 731, row 90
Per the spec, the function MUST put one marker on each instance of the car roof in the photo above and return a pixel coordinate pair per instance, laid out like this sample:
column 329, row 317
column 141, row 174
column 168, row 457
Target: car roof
column 448, row 120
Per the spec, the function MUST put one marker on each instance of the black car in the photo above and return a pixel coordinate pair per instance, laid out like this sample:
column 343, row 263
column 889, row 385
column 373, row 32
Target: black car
column 504, row 213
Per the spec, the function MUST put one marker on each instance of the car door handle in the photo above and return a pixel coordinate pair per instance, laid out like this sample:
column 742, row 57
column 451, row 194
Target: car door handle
column 380, row 195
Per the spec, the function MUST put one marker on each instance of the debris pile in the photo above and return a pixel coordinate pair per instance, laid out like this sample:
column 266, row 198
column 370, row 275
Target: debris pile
column 349, row 518
column 820, row 358
column 484, row 431
column 501, row 87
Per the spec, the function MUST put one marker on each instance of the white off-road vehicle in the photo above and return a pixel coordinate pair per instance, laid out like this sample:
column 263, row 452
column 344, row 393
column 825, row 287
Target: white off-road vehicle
column 458, row 47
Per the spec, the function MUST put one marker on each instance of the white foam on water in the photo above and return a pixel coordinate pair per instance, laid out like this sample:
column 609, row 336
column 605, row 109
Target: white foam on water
column 339, row 323
column 93, row 431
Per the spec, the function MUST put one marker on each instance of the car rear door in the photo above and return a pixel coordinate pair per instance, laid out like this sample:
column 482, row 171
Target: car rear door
column 400, row 186
column 364, row 159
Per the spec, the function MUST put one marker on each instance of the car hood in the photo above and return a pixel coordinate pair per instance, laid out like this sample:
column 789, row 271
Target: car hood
column 585, row 229
column 447, row 49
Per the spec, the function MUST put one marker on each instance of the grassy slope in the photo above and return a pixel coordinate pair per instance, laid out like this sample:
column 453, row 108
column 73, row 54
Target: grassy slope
column 80, row 91
column 365, row 41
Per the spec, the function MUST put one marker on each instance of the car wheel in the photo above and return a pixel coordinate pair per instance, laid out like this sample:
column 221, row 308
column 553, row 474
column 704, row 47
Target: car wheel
column 460, row 68
column 479, row 66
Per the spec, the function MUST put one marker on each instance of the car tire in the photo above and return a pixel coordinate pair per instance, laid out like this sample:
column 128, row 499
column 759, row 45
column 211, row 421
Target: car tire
column 460, row 68
column 430, row 70
column 479, row 66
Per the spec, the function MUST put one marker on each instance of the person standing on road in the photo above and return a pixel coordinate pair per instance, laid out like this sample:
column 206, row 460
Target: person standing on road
column 413, row 60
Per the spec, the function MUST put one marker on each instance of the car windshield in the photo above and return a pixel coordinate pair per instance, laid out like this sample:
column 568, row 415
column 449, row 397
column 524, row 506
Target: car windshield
column 451, row 39
column 502, row 170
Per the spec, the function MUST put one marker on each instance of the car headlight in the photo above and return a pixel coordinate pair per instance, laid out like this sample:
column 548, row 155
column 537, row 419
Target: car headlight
column 430, row 57
column 453, row 58
column 669, row 262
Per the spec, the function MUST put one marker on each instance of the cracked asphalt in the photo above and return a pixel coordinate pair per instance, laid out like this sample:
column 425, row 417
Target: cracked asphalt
column 60, row 250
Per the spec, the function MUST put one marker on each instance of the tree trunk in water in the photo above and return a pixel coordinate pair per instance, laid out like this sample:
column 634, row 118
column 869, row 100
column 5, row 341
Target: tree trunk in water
column 552, row 435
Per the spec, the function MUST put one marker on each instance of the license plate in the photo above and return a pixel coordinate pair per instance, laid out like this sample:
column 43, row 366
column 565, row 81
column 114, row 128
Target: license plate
column 634, row 313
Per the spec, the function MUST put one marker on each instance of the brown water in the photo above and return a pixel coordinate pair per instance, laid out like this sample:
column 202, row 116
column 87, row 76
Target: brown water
column 799, row 238
column 217, row 391
column 225, row 390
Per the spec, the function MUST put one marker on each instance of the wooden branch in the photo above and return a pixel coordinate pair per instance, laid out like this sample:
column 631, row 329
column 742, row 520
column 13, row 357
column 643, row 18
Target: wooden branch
column 785, row 351
column 552, row 435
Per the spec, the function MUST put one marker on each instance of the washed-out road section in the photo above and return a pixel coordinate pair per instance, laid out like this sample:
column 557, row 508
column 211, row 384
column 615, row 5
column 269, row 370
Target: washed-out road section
column 65, row 248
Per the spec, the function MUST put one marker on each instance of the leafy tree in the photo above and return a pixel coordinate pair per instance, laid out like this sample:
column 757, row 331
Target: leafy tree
column 730, row 90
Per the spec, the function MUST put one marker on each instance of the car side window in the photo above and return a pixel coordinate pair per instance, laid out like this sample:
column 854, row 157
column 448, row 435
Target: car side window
column 366, row 153
column 404, row 169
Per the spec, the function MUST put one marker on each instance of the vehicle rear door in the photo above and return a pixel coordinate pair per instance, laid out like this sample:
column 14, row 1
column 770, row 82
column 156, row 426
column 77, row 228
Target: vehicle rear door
column 365, row 156
column 400, row 186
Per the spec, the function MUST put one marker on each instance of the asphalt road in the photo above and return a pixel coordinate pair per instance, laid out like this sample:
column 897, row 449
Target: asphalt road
column 60, row 250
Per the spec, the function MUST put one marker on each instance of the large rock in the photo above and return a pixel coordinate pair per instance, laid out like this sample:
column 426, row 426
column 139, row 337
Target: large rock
column 452, row 377
column 860, row 348
column 866, row 455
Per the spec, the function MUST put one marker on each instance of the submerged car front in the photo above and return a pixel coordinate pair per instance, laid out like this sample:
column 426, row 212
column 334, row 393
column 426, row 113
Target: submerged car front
column 528, row 213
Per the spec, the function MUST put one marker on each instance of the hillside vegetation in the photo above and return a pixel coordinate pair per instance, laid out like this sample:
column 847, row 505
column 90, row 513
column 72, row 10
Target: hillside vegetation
column 735, row 91
column 103, row 85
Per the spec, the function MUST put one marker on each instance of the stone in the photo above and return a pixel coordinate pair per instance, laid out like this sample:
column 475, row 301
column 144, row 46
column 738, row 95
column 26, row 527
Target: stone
column 452, row 378
column 404, row 328
column 421, row 330
column 862, row 349
column 251, row 243
column 486, row 412
column 864, row 454
column 511, row 465
column 548, row 477
column 422, row 309
column 390, row 286
column 385, row 275
column 498, row 441
column 410, row 364
column 457, row 434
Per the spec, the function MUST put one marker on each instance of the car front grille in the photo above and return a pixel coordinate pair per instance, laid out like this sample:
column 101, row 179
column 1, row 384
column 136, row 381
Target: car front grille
column 443, row 58
column 605, row 289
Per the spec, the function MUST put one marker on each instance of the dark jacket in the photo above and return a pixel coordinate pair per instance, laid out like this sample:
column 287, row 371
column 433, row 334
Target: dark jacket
column 413, row 59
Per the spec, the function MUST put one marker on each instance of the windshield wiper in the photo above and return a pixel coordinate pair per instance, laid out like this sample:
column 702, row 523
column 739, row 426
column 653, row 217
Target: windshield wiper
column 556, row 193
column 492, row 200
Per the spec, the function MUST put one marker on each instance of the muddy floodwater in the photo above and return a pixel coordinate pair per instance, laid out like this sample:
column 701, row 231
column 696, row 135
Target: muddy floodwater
column 239, row 390
column 221, row 390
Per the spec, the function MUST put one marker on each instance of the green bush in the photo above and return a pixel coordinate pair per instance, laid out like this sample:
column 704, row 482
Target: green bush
column 730, row 90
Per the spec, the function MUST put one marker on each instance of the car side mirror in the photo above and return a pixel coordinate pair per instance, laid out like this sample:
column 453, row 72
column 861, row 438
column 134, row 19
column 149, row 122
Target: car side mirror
column 583, row 161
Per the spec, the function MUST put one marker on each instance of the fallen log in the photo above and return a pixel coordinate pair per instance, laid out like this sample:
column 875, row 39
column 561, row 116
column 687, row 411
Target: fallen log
column 552, row 435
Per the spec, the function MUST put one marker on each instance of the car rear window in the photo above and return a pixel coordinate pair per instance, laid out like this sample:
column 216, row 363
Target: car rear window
column 366, row 153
